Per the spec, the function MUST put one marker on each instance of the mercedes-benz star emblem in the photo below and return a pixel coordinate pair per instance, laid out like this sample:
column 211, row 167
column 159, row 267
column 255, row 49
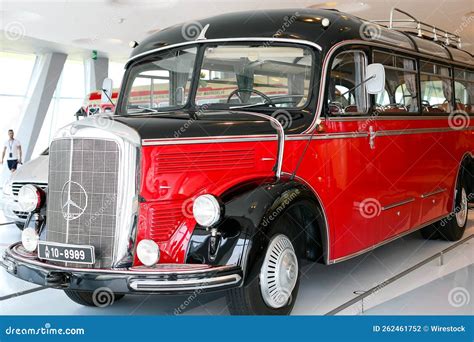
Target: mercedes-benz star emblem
column 73, row 200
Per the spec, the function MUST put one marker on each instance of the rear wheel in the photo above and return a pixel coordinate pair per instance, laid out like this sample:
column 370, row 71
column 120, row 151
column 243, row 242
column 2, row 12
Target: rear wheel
column 451, row 228
column 99, row 298
column 274, row 291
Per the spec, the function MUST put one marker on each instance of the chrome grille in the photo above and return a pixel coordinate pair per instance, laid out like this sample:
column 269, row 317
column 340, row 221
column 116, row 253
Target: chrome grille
column 82, row 195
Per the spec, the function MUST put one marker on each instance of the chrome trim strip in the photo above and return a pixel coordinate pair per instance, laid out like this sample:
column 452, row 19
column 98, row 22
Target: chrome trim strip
column 385, row 117
column 183, row 285
column 296, row 137
column 398, row 204
column 393, row 238
column 226, row 40
column 428, row 194
column 210, row 140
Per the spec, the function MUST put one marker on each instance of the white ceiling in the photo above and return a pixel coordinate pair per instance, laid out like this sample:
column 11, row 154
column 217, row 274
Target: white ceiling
column 79, row 26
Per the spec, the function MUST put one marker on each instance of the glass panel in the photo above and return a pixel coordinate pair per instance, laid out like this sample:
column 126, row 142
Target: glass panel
column 395, row 38
column 251, row 75
column 161, row 82
column 461, row 56
column 346, row 95
column 15, row 71
column 432, row 48
column 464, row 93
column 436, row 93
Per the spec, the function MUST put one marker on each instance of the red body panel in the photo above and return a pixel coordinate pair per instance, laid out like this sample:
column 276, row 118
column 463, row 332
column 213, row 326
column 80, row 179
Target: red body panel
column 173, row 175
column 356, row 184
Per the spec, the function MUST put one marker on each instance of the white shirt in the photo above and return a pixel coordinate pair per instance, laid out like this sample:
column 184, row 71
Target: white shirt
column 13, row 147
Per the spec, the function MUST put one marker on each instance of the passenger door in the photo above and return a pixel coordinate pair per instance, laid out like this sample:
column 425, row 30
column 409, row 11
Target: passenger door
column 352, row 186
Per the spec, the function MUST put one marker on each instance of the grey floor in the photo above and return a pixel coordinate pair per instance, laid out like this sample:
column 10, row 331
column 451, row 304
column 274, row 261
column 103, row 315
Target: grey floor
column 433, row 289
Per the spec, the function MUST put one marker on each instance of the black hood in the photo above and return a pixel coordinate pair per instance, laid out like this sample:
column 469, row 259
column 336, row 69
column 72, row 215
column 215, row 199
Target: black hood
column 223, row 123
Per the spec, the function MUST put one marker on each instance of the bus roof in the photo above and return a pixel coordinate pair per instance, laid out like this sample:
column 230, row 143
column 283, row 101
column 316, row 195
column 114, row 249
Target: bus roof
column 299, row 24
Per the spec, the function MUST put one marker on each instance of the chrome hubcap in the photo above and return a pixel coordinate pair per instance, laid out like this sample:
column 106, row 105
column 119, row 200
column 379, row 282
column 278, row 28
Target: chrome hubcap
column 461, row 214
column 279, row 272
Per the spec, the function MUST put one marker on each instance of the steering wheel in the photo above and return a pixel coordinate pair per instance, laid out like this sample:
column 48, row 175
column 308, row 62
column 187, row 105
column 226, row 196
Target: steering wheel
column 259, row 93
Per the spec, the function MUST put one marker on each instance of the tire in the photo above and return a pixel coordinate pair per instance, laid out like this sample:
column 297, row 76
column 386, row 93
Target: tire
column 281, row 253
column 94, row 299
column 452, row 227
column 20, row 225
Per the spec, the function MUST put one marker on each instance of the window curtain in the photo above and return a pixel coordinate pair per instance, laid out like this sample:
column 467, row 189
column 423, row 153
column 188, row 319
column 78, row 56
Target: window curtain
column 447, row 89
column 410, row 82
column 245, row 77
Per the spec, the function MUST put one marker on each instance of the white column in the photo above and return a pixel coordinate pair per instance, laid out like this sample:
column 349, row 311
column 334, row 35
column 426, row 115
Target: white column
column 44, row 80
column 95, row 73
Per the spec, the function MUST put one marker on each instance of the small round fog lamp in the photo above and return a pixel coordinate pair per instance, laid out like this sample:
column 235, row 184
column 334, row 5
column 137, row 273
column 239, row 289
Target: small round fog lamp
column 29, row 239
column 30, row 198
column 148, row 252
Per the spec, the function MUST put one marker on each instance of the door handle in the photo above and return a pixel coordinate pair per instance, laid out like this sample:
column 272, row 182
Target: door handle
column 372, row 135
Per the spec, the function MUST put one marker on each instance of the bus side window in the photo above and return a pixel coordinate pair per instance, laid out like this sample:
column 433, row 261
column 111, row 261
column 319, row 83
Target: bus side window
column 346, row 95
column 400, row 94
column 464, row 90
column 436, row 89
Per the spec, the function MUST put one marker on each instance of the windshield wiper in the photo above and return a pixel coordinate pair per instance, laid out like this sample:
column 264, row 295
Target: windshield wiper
column 145, row 109
column 250, row 105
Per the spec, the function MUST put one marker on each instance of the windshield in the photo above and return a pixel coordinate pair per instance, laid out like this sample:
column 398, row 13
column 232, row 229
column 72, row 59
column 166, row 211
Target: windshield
column 229, row 76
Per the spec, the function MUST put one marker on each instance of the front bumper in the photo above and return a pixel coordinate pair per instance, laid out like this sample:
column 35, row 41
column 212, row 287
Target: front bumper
column 162, row 279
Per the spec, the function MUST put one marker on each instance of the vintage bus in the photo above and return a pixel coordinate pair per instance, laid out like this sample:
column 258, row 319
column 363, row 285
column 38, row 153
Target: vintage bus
column 251, row 142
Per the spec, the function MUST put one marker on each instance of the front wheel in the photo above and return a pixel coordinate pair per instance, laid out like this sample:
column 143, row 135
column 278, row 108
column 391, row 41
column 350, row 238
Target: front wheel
column 99, row 298
column 274, row 291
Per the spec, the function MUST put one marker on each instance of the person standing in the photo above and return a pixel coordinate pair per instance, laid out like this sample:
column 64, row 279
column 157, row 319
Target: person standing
column 12, row 149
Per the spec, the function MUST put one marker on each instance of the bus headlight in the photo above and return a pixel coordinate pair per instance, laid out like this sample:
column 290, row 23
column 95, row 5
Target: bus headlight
column 206, row 210
column 148, row 252
column 29, row 239
column 30, row 198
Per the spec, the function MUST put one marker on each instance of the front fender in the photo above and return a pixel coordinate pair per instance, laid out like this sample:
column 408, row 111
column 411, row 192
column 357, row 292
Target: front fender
column 248, row 217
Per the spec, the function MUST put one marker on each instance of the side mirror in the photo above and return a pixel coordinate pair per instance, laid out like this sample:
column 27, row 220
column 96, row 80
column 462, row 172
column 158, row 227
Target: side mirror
column 375, row 78
column 107, row 88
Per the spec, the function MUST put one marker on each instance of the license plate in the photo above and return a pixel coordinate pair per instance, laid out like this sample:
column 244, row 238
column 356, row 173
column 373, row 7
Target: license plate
column 66, row 253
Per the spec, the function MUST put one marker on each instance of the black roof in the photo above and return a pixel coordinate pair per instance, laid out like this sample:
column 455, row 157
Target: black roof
column 304, row 24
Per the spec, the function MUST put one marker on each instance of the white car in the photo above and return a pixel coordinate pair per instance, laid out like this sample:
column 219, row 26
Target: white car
column 32, row 172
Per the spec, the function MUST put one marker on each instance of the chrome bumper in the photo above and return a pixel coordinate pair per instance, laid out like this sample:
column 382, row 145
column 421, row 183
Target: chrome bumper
column 162, row 279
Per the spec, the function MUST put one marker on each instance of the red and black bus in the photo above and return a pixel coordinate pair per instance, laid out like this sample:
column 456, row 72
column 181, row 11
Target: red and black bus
column 245, row 143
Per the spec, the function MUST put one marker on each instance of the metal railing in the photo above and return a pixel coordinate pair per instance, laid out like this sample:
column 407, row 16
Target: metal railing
column 423, row 30
column 364, row 294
